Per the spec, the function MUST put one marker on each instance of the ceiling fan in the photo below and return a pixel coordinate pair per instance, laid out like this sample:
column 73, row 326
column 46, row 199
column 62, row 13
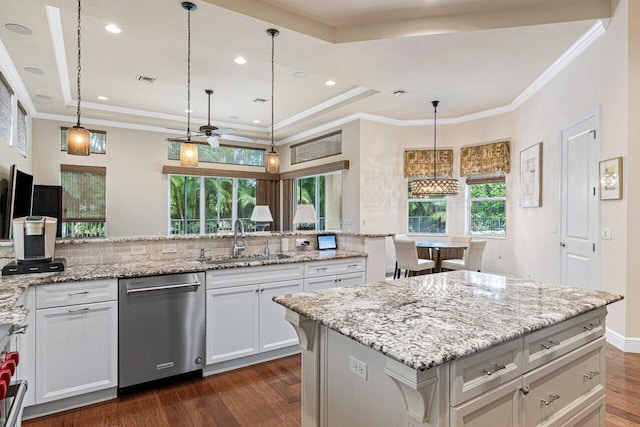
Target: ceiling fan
column 213, row 133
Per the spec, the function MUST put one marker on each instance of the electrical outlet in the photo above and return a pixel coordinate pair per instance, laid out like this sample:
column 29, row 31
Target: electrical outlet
column 170, row 248
column 605, row 233
column 139, row 250
column 348, row 222
column 358, row 367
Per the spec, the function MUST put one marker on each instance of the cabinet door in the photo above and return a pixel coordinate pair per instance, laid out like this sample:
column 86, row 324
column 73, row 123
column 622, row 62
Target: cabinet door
column 350, row 279
column 499, row 407
column 319, row 283
column 77, row 350
column 25, row 343
column 232, row 323
column 275, row 331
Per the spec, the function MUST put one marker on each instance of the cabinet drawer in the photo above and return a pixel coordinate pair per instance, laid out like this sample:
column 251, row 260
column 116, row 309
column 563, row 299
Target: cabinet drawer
column 564, row 384
column 253, row 275
column 550, row 343
column 72, row 293
column 481, row 372
column 499, row 407
column 324, row 268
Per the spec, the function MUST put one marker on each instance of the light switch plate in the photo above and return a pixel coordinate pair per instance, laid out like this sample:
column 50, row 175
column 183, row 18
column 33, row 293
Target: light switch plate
column 358, row 367
column 605, row 233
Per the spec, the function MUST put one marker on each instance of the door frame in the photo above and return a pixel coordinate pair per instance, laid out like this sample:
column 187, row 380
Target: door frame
column 591, row 112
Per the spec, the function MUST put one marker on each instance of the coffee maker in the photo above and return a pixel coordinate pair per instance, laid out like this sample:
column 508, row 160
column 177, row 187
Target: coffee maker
column 34, row 239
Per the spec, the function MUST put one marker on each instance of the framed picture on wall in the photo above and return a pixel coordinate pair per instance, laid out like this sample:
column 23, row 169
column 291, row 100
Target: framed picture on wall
column 531, row 177
column 611, row 179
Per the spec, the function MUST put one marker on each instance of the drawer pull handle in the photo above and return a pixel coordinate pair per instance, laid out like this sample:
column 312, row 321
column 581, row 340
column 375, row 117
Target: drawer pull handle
column 496, row 368
column 551, row 344
column 591, row 326
column 79, row 310
column 71, row 294
column 524, row 390
column 591, row 374
column 21, row 330
column 321, row 269
column 352, row 265
column 552, row 398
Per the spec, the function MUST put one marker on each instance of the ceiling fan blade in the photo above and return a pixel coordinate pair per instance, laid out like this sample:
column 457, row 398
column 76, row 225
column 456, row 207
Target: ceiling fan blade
column 213, row 141
column 238, row 138
column 225, row 131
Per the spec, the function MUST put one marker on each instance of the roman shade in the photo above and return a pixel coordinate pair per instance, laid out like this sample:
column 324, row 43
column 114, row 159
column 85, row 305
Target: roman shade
column 317, row 148
column 84, row 193
column 419, row 163
column 5, row 110
column 21, row 137
column 486, row 162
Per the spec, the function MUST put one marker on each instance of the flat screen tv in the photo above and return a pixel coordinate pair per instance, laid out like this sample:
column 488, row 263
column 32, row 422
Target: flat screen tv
column 19, row 198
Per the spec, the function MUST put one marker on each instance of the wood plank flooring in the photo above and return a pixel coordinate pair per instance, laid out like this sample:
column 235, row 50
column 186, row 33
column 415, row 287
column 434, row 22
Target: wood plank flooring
column 269, row 395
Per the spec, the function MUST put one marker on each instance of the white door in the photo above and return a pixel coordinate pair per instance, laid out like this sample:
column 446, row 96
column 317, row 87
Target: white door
column 275, row 331
column 232, row 323
column 77, row 350
column 579, row 245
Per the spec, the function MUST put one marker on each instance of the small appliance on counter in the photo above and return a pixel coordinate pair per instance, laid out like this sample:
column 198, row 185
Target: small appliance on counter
column 34, row 240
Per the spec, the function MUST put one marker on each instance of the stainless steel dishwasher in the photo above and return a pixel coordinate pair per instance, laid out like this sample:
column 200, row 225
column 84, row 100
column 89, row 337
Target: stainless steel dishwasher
column 161, row 327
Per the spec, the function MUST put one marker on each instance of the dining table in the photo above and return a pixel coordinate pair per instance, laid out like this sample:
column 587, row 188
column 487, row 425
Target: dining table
column 438, row 251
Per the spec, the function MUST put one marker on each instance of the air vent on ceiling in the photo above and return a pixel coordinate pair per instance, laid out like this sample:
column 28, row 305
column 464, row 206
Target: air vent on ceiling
column 259, row 100
column 146, row 79
column 399, row 92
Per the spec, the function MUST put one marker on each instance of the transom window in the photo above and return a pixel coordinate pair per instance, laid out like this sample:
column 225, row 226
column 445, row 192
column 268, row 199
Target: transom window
column 223, row 154
column 487, row 209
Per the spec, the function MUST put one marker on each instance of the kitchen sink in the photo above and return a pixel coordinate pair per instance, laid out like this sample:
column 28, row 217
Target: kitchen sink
column 248, row 258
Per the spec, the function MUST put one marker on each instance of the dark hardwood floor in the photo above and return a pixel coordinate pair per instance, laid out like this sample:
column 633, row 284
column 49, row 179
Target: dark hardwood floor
column 269, row 395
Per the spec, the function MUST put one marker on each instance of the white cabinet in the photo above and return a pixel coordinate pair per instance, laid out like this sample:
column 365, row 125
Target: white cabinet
column 76, row 349
column 24, row 341
column 242, row 318
column 321, row 275
column 501, row 404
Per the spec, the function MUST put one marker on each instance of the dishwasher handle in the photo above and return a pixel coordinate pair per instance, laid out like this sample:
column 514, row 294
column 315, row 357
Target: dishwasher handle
column 165, row 287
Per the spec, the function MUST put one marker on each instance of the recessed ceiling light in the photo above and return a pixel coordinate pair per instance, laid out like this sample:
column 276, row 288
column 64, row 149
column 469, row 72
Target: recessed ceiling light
column 45, row 97
column 240, row 60
column 20, row 29
column 234, row 117
column 113, row 28
column 188, row 111
column 256, row 121
column 330, row 83
column 33, row 70
column 300, row 74
column 102, row 98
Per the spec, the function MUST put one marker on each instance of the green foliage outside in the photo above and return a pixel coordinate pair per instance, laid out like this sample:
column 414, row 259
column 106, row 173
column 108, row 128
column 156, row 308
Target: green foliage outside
column 428, row 216
column 488, row 216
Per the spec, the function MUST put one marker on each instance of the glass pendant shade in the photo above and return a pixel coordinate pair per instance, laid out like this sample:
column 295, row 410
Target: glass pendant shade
column 273, row 162
column 78, row 141
column 422, row 188
column 189, row 154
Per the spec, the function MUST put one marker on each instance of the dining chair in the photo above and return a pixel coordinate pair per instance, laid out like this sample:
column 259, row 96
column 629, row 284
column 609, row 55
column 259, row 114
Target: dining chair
column 395, row 270
column 472, row 258
column 407, row 258
column 460, row 239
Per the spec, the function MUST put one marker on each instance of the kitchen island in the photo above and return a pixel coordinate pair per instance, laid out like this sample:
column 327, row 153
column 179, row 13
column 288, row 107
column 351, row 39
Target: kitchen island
column 451, row 349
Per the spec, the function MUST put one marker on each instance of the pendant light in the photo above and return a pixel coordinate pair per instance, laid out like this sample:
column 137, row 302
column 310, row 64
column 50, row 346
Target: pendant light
column 435, row 186
column 272, row 160
column 188, row 150
column 78, row 138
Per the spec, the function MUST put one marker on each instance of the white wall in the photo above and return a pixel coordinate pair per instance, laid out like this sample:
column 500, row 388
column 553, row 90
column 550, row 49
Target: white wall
column 9, row 155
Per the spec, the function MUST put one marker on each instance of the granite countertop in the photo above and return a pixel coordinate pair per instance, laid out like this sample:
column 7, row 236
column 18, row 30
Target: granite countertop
column 426, row 321
column 12, row 287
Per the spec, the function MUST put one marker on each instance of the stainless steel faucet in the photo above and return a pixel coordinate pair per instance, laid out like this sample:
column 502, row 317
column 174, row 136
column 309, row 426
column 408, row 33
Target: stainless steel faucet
column 267, row 252
column 238, row 226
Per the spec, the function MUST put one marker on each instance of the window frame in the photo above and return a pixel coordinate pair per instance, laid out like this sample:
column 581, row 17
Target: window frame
column 317, row 196
column 470, row 200
column 446, row 223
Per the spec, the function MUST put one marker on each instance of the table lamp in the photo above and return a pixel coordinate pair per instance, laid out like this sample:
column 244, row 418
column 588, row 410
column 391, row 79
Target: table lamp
column 305, row 214
column 261, row 215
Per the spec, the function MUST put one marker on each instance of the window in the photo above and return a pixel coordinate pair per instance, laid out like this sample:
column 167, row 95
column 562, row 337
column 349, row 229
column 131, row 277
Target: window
column 324, row 192
column 83, row 201
column 205, row 205
column 6, row 124
column 317, row 148
column 21, row 140
column 428, row 215
column 487, row 209
column 97, row 141
column 224, row 154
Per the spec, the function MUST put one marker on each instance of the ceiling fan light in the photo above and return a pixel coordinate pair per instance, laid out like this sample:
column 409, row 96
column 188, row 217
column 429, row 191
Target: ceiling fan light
column 213, row 141
column 273, row 162
column 78, row 141
column 189, row 155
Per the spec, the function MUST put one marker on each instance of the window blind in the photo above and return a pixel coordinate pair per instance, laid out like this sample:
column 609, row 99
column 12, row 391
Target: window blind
column 493, row 159
column 84, row 193
column 317, row 148
column 21, row 138
column 5, row 110
column 419, row 163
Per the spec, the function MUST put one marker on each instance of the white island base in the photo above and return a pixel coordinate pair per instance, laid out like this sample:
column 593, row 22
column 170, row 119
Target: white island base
column 552, row 377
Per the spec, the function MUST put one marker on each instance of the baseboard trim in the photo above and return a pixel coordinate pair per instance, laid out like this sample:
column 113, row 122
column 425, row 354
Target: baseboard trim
column 628, row 345
column 229, row 365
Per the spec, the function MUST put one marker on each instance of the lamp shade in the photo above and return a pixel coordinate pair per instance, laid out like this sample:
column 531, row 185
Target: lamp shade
column 188, row 154
column 273, row 162
column 78, row 141
column 261, row 213
column 305, row 214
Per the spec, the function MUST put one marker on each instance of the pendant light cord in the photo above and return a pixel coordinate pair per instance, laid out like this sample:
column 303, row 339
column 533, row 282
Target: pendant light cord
column 435, row 151
column 273, row 73
column 188, row 75
column 79, row 66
